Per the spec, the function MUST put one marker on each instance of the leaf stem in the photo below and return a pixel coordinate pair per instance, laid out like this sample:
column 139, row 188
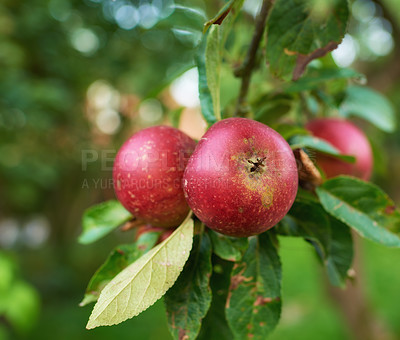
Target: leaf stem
column 246, row 69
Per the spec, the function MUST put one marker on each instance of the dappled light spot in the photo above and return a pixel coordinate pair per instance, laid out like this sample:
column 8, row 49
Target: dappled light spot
column 347, row 52
column 185, row 90
column 148, row 15
column 85, row 41
column 150, row 111
column 108, row 121
column 127, row 17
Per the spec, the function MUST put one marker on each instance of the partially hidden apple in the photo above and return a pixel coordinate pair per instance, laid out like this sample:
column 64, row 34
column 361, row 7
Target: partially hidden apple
column 147, row 228
column 242, row 178
column 349, row 140
column 148, row 172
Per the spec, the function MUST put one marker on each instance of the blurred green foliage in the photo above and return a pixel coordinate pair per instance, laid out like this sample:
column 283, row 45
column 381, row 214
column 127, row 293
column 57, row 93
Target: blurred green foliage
column 19, row 301
column 50, row 52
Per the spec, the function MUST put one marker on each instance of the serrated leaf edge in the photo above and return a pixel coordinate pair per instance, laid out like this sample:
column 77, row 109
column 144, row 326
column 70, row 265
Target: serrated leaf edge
column 150, row 254
column 383, row 230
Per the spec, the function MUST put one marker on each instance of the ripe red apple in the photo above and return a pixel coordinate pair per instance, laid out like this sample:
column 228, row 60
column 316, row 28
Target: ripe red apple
column 148, row 172
column 349, row 140
column 242, row 178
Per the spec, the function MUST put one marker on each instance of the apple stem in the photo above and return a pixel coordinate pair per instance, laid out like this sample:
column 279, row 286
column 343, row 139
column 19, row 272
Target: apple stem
column 132, row 223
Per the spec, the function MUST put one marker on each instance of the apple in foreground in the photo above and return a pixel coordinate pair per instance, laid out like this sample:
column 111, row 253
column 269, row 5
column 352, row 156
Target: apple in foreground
column 242, row 178
column 349, row 140
column 148, row 172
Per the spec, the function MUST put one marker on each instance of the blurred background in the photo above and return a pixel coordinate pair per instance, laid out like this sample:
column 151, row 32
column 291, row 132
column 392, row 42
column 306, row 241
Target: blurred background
column 77, row 77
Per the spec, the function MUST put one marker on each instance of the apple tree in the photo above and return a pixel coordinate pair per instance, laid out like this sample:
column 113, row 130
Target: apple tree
column 281, row 158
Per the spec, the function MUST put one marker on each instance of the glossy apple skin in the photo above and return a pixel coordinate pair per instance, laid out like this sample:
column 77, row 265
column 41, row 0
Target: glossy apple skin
column 228, row 191
column 347, row 138
column 148, row 172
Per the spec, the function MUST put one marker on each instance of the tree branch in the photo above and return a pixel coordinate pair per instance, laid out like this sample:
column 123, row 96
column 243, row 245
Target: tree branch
column 246, row 69
column 352, row 302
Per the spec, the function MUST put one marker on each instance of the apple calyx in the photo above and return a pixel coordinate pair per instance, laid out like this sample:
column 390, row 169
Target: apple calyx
column 257, row 165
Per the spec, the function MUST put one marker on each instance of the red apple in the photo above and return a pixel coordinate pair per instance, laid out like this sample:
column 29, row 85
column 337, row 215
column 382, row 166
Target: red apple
column 349, row 140
column 148, row 172
column 242, row 178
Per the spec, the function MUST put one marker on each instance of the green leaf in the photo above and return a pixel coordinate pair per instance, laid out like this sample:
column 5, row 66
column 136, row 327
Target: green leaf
column 221, row 15
column 213, row 67
column 306, row 195
column 370, row 105
column 214, row 325
column 190, row 11
column 331, row 238
column 299, row 141
column 316, row 77
column 143, row 282
column 310, row 222
column 208, row 60
column 228, row 248
column 188, row 301
column 340, row 253
column 271, row 107
column 362, row 206
column 186, row 23
column 230, row 20
column 206, row 100
column 119, row 259
column 289, row 130
column 254, row 304
column 299, row 31
column 101, row 219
